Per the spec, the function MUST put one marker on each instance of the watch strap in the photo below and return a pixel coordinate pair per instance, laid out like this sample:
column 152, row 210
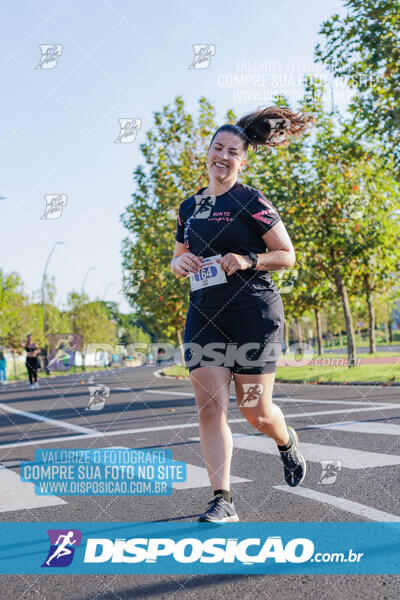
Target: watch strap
column 254, row 259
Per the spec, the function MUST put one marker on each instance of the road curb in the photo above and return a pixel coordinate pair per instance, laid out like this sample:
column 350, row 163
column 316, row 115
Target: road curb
column 160, row 373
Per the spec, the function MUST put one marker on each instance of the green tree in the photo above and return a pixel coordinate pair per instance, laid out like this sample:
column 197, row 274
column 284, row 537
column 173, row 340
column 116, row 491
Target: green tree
column 174, row 156
column 364, row 46
column 91, row 321
column 350, row 215
column 13, row 309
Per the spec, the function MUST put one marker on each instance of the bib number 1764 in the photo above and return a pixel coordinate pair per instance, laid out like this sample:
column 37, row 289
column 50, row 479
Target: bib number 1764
column 210, row 274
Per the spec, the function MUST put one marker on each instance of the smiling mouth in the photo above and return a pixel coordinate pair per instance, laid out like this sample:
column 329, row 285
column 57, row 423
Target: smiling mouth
column 220, row 166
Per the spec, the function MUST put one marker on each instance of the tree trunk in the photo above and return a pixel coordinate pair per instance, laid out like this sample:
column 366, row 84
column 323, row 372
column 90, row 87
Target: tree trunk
column 390, row 328
column 286, row 335
column 180, row 342
column 299, row 332
column 319, row 331
column 351, row 343
column 371, row 318
column 386, row 331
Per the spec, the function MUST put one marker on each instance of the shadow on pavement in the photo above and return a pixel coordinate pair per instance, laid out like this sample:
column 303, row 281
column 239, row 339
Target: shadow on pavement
column 167, row 588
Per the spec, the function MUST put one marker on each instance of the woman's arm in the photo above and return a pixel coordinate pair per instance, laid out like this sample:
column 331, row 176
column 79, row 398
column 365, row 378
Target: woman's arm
column 281, row 254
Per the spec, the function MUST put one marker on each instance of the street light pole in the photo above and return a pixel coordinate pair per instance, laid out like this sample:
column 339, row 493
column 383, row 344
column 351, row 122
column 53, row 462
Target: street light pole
column 43, row 286
column 84, row 279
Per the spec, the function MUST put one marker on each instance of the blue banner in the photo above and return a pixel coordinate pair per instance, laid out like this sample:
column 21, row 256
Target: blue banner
column 192, row 547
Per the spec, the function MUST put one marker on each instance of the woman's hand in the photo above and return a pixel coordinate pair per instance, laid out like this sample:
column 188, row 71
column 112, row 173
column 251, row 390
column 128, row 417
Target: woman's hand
column 234, row 262
column 186, row 263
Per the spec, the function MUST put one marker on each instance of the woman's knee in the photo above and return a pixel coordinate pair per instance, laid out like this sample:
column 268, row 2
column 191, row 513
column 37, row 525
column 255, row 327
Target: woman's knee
column 259, row 420
column 211, row 388
column 210, row 409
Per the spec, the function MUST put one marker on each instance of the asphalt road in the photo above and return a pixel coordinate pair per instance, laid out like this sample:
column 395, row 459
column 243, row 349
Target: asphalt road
column 358, row 426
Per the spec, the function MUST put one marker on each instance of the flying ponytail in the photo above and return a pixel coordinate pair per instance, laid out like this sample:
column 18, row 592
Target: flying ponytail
column 274, row 126
column 270, row 127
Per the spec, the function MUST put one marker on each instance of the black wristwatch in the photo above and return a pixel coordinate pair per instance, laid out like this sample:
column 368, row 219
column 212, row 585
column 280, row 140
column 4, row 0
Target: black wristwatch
column 254, row 258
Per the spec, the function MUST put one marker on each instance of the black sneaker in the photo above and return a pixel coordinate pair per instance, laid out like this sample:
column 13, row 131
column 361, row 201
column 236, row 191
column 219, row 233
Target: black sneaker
column 294, row 463
column 219, row 511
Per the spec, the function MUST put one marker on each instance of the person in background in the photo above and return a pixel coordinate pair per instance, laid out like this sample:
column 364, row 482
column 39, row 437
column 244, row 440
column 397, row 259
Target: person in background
column 32, row 362
column 3, row 368
column 160, row 357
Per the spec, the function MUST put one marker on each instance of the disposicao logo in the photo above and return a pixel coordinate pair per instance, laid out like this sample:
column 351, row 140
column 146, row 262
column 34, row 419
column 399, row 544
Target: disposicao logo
column 62, row 542
column 190, row 550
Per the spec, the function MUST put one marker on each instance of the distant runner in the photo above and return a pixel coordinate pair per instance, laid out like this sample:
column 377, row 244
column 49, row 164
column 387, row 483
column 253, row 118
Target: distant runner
column 32, row 361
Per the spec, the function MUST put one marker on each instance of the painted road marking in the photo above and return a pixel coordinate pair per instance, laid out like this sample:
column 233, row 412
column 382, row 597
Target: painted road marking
column 197, row 477
column 376, row 427
column 19, row 495
column 340, row 411
column 351, row 459
column 305, row 400
column 54, row 422
column 194, row 424
column 356, row 508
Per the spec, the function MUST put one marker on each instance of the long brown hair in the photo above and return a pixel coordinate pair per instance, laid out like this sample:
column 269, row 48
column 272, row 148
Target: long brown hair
column 270, row 127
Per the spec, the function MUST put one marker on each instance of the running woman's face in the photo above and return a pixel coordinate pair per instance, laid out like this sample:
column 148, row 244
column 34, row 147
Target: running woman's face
column 225, row 157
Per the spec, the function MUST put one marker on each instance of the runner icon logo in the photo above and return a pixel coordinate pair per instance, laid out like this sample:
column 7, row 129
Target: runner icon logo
column 55, row 203
column 202, row 55
column 50, row 53
column 132, row 280
column 98, row 396
column 128, row 130
column 252, row 392
column 204, row 205
column 330, row 470
column 62, row 542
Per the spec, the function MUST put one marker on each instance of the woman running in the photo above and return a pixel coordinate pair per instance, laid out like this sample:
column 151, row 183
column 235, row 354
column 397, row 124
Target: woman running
column 229, row 236
column 32, row 361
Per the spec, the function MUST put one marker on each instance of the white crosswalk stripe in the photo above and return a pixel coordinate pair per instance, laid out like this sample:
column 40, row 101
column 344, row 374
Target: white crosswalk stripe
column 19, row 495
column 197, row 477
column 375, row 427
column 351, row 459
column 355, row 508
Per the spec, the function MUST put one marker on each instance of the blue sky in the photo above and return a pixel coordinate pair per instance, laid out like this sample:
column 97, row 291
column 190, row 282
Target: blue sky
column 121, row 59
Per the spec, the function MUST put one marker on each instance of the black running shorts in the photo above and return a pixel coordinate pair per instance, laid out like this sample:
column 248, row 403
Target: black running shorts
column 248, row 341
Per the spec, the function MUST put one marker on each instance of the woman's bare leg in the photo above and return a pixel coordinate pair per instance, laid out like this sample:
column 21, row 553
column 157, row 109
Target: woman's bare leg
column 265, row 416
column 211, row 387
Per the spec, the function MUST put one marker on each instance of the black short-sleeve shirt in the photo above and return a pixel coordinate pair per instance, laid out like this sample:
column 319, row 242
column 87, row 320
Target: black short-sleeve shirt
column 232, row 222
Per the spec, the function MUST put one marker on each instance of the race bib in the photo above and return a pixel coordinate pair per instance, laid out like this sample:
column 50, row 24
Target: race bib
column 211, row 273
